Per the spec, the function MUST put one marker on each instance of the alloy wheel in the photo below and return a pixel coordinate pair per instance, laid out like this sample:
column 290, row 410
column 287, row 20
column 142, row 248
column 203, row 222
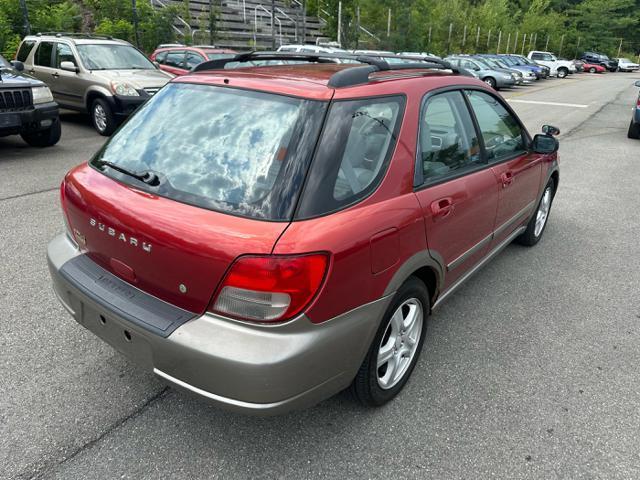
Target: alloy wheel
column 543, row 212
column 100, row 117
column 399, row 343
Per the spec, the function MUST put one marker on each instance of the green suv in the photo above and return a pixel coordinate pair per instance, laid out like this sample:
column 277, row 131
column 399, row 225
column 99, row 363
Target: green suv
column 105, row 77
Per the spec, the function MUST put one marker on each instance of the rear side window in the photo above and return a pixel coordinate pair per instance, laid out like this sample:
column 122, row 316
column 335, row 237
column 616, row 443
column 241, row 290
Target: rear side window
column 503, row 137
column 357, row 142
column 175, row 59
column 24, row 50
column 193, row 59
column 229, row 150
column 44, row 54
column 448, row 141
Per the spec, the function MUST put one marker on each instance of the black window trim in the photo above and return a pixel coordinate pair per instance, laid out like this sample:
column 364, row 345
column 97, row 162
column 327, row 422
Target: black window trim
column 383, row 173
column 418, row 175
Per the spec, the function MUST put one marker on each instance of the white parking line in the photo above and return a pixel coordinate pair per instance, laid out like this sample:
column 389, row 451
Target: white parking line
column 555, row 104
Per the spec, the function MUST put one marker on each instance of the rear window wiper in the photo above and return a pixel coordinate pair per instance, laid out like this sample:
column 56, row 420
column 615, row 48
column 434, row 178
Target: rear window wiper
column 149, row 178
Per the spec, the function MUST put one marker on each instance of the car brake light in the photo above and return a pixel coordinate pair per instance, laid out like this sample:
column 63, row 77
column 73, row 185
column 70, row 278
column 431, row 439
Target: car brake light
column 270, row 288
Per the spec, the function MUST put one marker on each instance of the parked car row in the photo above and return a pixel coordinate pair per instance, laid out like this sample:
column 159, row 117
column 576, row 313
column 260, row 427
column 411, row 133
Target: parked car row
column 109, row 78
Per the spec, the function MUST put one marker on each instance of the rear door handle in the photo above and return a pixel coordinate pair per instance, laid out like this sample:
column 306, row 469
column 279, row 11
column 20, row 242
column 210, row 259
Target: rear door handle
column 442, row 207
column 507, row 179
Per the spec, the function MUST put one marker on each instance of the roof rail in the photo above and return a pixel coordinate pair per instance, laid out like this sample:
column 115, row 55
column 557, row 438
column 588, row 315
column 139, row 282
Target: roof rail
column 75, row 35
column 357, row 74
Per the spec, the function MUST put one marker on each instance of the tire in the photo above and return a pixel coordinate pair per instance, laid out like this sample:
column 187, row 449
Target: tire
column 592, row 70
column 377, row 383
column 534, row 231
column 490, row 81
column 634, row 131
column 562, row 72
column 102, row 117
column 44, row 138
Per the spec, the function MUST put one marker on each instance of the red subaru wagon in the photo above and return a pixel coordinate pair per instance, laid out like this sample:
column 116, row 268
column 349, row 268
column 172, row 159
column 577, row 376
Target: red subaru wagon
column 269, row 236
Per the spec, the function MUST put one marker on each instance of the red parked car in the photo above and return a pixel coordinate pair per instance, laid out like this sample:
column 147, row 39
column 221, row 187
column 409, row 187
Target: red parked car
column 593, row 68
column 181, row 59
column 266, row 237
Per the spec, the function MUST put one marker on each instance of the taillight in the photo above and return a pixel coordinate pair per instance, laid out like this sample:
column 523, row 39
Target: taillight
column 638, row 101
column 270, row 288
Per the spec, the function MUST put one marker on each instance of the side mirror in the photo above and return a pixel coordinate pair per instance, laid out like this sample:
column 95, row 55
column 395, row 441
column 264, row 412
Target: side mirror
column 637, row 84
column 18, row 65
column 68, row 67
column 550, row 130
column 545, row 144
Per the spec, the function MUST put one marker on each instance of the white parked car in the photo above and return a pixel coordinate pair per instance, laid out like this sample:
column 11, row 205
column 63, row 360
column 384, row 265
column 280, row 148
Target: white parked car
column 559, row 68
column 626, row 65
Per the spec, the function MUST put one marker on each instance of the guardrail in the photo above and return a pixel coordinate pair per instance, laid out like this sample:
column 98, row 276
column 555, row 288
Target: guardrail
column 178, row 17
column 272, row 17
column 295, row 25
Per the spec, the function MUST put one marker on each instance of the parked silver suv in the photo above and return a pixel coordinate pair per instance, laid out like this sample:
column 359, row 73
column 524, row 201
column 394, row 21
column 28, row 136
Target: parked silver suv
column 105, row 77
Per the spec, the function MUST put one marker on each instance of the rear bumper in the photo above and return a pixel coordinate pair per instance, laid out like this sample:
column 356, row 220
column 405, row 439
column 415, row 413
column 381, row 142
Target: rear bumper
column 238, row 366
column 34, row 119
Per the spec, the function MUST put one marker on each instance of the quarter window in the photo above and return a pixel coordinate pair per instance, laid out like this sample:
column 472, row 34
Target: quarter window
column 25, row 48
column 503, row 137
column 44, row 54
column 448, row 141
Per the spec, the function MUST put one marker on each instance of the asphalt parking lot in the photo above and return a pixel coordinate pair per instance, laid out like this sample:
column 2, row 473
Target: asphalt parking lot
column 531, row 370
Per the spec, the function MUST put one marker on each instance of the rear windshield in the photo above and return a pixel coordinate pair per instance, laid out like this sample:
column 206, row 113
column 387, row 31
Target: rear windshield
column 229, row 150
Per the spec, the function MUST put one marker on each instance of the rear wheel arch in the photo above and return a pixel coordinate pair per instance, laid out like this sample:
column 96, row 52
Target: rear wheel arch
column 425, row 266
column 429, row 277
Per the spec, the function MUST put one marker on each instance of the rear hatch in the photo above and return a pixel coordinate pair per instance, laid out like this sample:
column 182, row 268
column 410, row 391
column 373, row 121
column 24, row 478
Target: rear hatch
column 197, row 177
column 171, row 250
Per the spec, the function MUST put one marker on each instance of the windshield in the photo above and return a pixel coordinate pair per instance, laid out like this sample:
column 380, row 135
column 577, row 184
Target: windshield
column 492, row 63
column 624, row 60
column 113, row 57
column 483, row 62
column 224, row 149
column 220, row 56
